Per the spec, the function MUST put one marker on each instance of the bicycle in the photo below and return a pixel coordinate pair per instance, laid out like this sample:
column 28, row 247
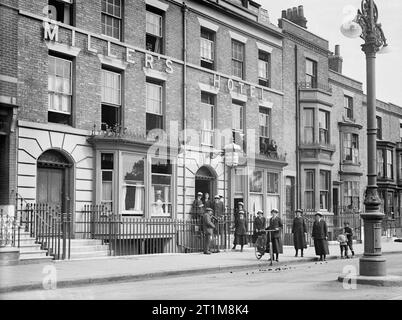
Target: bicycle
column 261, row 245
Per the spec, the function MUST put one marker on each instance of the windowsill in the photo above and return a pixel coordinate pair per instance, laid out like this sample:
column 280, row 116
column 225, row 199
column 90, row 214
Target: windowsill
column 350, row 163
column 111, row 38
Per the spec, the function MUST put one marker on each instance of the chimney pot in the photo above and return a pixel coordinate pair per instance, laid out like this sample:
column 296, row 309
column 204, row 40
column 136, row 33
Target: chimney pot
column 294, row 15
column 284, row 14
column 289, row 14
column 337, row 50
column 301, row 11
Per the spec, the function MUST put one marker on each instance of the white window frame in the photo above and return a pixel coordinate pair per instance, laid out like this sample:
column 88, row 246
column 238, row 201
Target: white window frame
column 113, row 17
column 61, row 94
column 207, row 134
column 124, row 184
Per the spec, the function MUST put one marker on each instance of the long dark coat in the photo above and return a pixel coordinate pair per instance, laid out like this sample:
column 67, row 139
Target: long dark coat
column 275, row 223
column 240, row 234
column 196, row 210
column 320, row 234
column 208, row 204
column 219, row 208
column 298, row 230
column 259, row 224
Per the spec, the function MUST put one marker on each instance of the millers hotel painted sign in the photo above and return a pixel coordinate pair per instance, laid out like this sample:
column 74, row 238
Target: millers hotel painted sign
column 240, row 89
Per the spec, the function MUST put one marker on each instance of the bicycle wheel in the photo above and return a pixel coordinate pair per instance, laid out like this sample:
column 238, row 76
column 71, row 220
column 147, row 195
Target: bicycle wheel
column 258, row 255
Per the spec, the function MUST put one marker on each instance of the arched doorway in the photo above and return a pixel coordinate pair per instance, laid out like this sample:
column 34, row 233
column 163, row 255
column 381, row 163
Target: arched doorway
column 205, row 181
column 53, row 179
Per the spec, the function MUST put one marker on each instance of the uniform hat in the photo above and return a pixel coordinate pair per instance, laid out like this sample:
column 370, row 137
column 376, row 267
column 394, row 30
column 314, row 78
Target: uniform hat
column 199, row 193
column 274, row 210
column 208, row 209
column 318, row 214
column 299, row 210
column 259, row 211
column 240, row 203
column 217, row 197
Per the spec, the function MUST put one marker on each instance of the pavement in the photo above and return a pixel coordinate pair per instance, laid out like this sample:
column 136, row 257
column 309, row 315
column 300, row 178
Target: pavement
column 68, row 273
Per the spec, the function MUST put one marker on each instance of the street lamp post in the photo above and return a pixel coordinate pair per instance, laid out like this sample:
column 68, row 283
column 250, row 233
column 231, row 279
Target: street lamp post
column 365, row 24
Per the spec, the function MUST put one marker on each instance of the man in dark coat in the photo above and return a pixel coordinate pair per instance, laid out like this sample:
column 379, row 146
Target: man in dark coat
column 275, row 226
column 349, row 235
column 299, row 231
column 208, row 229
column 197, row 209
column 219, row 212
column 320, row 236
column 207, row 201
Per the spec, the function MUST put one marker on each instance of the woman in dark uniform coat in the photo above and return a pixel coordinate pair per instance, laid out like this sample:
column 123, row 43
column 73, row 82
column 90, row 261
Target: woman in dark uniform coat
column 299, row 231
column 275, row 224
column 240, row 236
column 320, row 235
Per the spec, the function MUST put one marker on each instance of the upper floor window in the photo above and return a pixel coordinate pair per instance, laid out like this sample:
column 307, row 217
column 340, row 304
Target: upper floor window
column 263, row 68
column 324, row 189
column 111, row 18
column 237, row 59
column 309, row 202
column 385, row 165
column 111, row 99
column 379, row 128
column 265, row 122
column 323, row 123
column 308, row 115
column 207, row 118
column 237, row 122
column 207, row 48
column 348, row 105
column 154, row 30
column 64, row 11
column 59, row 90
column 390, row 164
column 351, row 147
column 154, row 105
column 311, row 73
column 400, row 131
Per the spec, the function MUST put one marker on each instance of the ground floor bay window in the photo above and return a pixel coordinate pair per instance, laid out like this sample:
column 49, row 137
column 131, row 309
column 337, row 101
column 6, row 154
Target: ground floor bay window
column 135, row 184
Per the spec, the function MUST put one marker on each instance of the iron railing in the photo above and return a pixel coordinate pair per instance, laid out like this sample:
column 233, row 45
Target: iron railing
column 9, row 232
column 47, row 225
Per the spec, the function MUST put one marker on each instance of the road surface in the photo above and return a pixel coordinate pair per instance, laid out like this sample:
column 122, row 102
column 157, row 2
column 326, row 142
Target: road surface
column 296, row 282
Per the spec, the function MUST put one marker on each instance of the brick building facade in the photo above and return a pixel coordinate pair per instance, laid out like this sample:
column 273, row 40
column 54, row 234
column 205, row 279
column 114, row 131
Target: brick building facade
column 130, row 104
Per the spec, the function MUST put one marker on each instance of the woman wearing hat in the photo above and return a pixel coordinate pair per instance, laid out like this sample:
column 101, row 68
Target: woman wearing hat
column 320, row 236
column 240, row 234
column 299, row 231
column 275, row 225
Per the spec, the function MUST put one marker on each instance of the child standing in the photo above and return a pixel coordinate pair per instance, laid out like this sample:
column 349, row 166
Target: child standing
column 343, row 244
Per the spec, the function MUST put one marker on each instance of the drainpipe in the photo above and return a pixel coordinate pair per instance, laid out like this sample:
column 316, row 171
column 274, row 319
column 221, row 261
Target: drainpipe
column 298, row 179
column 184, row 120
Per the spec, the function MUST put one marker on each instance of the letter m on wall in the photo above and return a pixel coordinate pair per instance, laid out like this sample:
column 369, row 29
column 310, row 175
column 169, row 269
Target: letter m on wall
column 51, row 32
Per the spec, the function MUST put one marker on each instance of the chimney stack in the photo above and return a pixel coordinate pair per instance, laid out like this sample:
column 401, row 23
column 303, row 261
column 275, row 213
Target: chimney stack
column 335, row 60
column 296, row 15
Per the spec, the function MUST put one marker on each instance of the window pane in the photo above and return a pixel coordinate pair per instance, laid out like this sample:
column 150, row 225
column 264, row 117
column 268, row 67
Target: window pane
column 153, row 24
column 272, row 182
column 154, row 98
column 256, row 181
column 133, row 168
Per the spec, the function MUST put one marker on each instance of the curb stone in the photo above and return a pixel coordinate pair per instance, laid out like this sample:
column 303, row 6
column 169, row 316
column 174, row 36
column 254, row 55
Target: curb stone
column 162, row 274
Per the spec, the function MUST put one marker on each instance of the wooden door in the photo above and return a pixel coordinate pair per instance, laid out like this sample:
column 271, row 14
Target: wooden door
column 51, row 187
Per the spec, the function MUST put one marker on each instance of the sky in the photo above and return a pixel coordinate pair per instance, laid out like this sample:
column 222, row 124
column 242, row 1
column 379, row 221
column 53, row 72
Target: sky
column 324, row 18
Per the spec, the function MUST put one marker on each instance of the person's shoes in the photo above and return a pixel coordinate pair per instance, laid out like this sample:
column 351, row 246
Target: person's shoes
column 207, row 252
column 296, row 255
column 234, row 247
column 301, row 255
column 353, row 254
column 277, row 260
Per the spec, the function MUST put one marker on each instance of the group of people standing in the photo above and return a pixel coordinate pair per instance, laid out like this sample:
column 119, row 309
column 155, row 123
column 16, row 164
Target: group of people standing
column 209, row 211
